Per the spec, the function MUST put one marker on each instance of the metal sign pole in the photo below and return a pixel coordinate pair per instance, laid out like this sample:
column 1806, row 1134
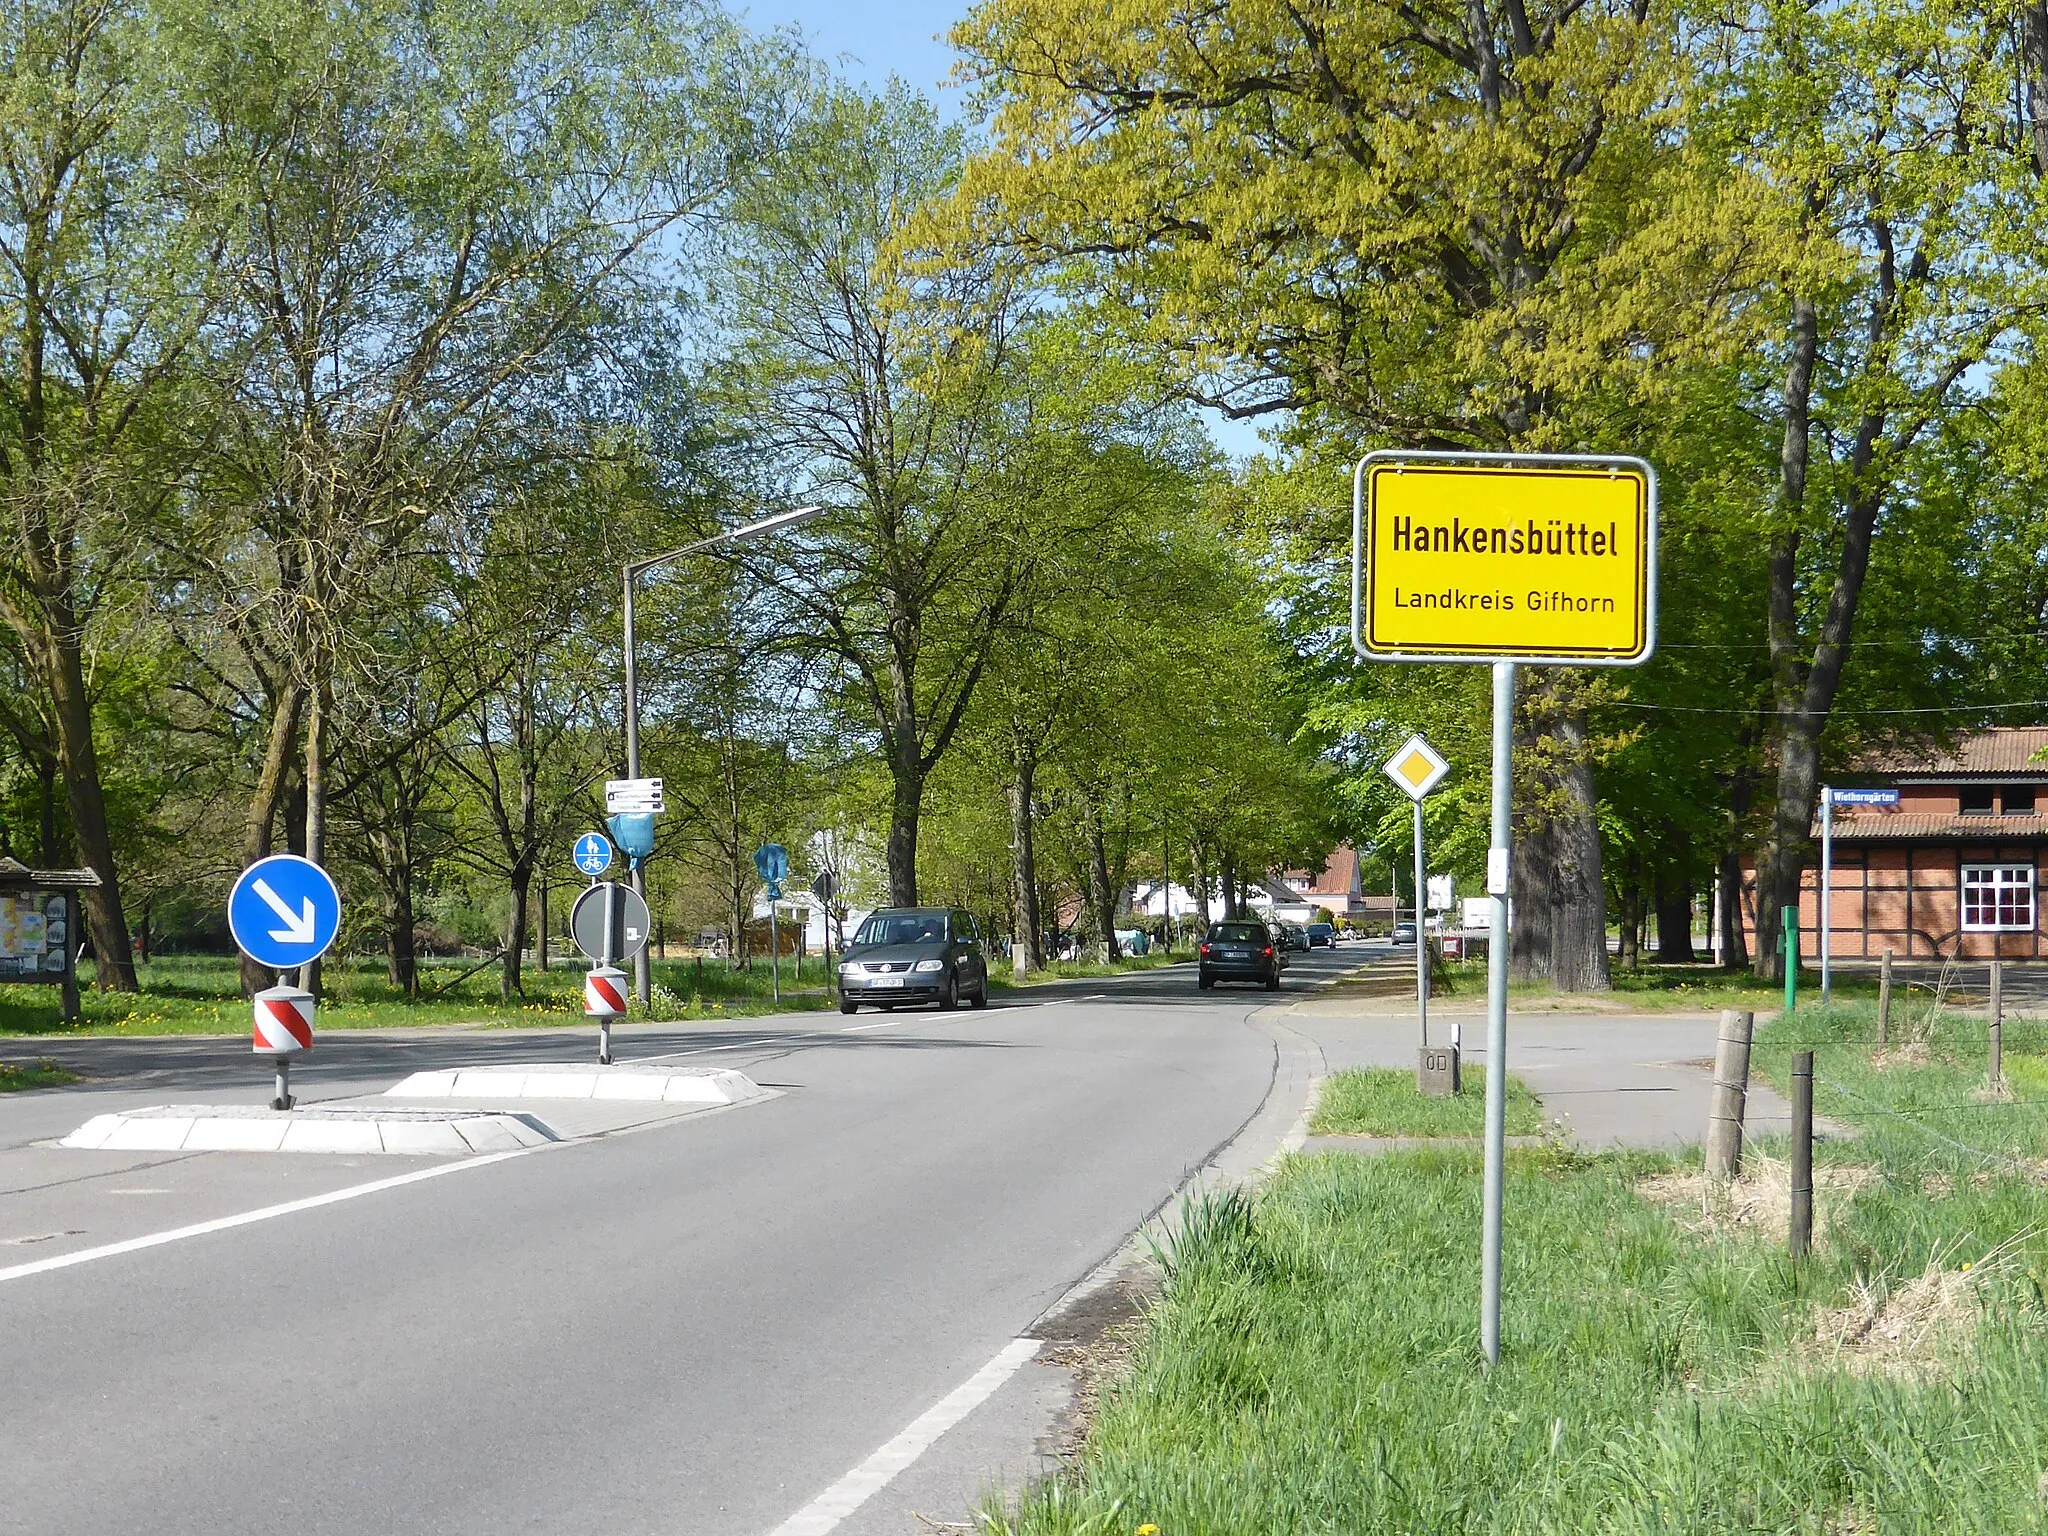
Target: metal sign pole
column 605, row 961
column 1421, row 936
column 775, row 948
column 1497, row 864
column 1827, row 891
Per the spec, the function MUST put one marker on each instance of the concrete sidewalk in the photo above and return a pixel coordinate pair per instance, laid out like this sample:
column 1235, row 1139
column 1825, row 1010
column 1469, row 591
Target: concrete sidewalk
column 1622, row 1080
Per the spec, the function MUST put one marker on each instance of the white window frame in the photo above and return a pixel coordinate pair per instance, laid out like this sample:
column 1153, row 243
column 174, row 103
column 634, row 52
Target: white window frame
column 2002, row 883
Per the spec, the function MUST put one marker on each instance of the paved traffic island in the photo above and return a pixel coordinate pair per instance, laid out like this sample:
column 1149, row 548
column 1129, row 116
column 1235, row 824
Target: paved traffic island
column 346, row 1129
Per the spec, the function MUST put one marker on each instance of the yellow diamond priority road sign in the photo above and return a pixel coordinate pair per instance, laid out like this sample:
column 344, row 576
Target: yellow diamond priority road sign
column 1471, row 558
column 1416, row 767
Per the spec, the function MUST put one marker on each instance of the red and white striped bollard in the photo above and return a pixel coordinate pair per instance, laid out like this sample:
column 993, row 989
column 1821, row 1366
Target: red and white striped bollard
column 604, row 999
column 284, row 1027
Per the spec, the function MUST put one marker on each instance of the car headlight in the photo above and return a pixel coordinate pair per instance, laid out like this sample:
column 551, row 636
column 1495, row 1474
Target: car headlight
column 930, row 965
column 853, row 968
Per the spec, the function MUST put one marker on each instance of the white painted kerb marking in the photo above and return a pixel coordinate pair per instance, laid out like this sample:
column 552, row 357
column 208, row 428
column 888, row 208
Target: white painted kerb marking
column 876, row 1473
column 244, row 1218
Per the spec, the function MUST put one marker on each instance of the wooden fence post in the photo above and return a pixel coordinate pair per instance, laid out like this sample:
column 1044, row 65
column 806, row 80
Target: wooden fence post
column 1997, row 1024
column 1731, row 1094
column 1802, row 1154
column 1884, row 1000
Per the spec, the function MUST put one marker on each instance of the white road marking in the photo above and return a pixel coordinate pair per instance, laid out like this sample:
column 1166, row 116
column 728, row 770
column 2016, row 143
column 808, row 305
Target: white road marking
column 825, row 1512
column 245, row 1218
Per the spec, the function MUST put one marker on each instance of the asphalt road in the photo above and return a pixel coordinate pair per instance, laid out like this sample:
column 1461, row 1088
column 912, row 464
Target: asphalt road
column 694, row 1327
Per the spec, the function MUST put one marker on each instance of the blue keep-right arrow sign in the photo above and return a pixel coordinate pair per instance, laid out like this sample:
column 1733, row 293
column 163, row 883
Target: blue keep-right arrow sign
column 284, row 911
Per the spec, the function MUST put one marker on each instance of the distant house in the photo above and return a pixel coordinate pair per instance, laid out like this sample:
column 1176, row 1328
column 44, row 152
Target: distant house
column 1952, row 871
column 1338, row 885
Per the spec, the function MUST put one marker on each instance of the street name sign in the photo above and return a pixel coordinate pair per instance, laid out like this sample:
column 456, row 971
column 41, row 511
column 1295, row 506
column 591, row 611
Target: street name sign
column 284, row 911
column 593, row 854
column 1472, row 559
column 1416, row 767
column 1865, row 796
column 633, row 797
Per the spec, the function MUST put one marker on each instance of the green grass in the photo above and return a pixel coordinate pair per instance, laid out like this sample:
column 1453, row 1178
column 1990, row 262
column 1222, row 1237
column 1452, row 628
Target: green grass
column 1312, row 1365
column 16, row 1076
column 197, row 994
column 1000, row 975
column 1382, row 1101
column 1672, row 988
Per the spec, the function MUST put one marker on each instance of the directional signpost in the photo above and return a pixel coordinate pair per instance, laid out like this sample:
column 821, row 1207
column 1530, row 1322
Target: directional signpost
column 593, row 854
column 1512, row 560
column 771, row 863
column 283, row 912
column 1416, row 767
column 1830, row 797
column 609, row 923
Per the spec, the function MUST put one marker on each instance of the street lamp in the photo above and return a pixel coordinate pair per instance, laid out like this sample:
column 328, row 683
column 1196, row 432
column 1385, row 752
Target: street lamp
column 643, row 979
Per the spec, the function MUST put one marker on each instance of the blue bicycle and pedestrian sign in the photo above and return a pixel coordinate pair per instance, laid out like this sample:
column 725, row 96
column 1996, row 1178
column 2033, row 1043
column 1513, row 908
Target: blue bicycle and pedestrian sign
column 284, row 911
column 593, row 854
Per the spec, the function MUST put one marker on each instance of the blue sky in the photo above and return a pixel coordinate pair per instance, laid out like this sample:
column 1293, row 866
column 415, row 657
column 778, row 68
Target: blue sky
column 878, row 39
column 871, row 42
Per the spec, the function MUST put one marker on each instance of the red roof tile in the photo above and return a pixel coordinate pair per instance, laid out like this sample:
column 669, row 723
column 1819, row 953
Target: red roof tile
column 2004, row 749
column 1887, row 826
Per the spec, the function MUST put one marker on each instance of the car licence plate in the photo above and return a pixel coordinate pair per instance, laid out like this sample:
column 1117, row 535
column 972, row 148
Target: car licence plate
column 887, row 981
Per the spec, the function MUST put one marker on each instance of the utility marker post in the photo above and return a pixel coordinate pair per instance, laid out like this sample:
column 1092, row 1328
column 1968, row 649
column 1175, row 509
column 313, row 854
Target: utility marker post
column 1510, row 559
column 1791, row 917
column 1417, row 768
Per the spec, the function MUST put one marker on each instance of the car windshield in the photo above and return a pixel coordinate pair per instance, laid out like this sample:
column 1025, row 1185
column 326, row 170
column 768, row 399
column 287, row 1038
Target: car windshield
column 1238, row 933
column 903, row 928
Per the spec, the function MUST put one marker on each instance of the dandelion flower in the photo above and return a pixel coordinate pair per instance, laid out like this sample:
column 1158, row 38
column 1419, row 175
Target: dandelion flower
column 1148, row 1529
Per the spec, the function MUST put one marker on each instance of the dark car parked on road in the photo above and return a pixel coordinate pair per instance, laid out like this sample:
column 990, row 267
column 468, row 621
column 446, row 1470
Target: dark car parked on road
column 1322, row 935
column 1239, row 952
column 914, row 955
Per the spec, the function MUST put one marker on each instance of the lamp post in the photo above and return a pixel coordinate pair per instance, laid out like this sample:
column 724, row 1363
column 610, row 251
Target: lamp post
column 643, row 980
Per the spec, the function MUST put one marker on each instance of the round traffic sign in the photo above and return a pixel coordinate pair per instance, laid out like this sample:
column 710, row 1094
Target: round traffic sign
column 609, row 922
column 284, row 911
column 593, row 853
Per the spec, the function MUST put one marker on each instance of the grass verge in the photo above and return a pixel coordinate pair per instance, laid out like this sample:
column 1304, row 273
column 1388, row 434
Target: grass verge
column 17, row 1075
column 200, row 995
column 1382, row 1101
column 1312, row 1364
column 1000, row 977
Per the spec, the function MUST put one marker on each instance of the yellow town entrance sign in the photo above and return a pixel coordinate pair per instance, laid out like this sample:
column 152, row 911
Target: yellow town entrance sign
column 1464, row 558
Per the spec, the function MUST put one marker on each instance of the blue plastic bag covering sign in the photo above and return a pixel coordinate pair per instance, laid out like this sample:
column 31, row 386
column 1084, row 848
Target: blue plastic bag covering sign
column 284, row 911
column 772, row 863
column 633, row 832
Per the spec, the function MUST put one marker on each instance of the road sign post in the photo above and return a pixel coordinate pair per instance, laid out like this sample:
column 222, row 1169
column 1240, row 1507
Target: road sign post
column 1417, row 768
column 283, row 912
column 1830, row 797
column 771, row 863
column 609, row 923
column 1510, row 560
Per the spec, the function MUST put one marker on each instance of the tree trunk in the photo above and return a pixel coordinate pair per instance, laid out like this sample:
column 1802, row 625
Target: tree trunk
column 1632, row 913
column 1026, row 950
column 46, row 773
column 400, row 938
column 2034, row 69
column 1199, row 861
column 540, row 940
column 259, row 824
column 113, row 965
column 1674, row 920
column 316, row 803
column 1734, row 943
column 1578, row 907
column 1530, row 869
column 1100, row 894
column 1230, row 911
column 906, row 803
column 510, row 982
